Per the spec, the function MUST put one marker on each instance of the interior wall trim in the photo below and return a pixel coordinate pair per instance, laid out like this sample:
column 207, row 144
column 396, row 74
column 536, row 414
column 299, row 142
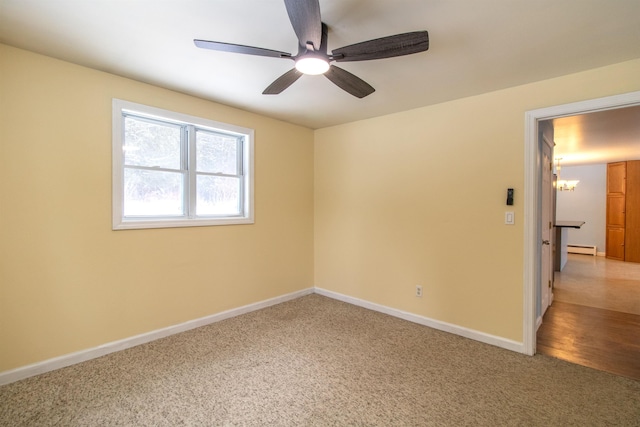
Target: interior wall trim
column 426, row 321
column 27, row 371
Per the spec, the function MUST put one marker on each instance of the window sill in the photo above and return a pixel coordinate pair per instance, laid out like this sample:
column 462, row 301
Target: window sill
column 181, row 222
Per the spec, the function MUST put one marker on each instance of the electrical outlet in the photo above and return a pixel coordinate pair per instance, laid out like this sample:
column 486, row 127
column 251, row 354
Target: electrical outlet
column 419, row 291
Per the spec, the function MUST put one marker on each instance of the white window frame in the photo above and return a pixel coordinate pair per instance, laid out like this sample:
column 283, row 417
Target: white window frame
column 119, row 222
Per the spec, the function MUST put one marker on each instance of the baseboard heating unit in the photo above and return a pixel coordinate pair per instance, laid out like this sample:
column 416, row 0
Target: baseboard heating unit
column 582, row 249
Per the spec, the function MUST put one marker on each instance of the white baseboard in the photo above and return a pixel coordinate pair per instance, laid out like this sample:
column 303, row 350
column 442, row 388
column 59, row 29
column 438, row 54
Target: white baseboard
column 432, row 323
column 92, row 353
column 538, row 322
column 102, row 350
column 601, row 254
column 582, row 249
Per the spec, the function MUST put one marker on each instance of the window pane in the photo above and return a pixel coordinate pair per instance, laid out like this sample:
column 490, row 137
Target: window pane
column 152, row 193
column 151, row 144
column 218, row 195
column 216, row 153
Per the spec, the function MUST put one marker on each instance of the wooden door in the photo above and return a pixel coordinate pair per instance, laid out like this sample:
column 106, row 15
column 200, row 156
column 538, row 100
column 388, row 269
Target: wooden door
column 616, row 210
column 632, row 212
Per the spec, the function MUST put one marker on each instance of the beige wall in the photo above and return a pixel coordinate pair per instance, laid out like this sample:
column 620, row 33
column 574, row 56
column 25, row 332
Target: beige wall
column 418, row 198
column 406, row 199
column 67, row 281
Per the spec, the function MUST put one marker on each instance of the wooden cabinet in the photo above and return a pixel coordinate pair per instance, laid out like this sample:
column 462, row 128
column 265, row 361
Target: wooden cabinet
column 616, row 215
column 623, row 211
column 615, row 243
column 632, row 213
column 616, row 176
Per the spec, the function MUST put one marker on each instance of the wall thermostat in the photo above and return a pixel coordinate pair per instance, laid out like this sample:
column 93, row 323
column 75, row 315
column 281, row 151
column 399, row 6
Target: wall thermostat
column 509, row 196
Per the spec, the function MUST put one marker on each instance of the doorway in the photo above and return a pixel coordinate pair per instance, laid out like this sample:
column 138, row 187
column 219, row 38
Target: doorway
column 533, row 196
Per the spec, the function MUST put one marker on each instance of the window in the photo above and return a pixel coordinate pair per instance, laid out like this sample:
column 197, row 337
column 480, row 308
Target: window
column 175, row 170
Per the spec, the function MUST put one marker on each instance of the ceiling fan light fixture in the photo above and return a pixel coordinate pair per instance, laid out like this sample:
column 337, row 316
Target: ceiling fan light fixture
column 312, row 57
column 312, row 64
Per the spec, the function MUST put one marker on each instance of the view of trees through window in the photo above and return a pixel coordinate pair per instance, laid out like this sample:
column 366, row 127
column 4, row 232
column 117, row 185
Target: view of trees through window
column 218, row 162
column 157, row 176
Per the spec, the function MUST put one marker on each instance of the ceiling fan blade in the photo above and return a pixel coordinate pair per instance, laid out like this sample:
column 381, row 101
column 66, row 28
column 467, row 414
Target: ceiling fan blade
column 385, row 47
column 348, row 82
column 238, row 48
column 306, row 21
column 282, row 82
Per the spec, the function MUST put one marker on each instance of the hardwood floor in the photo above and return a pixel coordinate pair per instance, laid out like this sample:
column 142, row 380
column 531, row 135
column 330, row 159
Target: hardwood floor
column 595, row 317
column 601, row 339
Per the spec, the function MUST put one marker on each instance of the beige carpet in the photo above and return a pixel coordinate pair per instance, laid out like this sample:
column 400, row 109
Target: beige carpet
column 319, row 362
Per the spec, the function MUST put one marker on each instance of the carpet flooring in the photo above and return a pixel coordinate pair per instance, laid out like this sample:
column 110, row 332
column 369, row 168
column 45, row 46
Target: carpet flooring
column 315, row 361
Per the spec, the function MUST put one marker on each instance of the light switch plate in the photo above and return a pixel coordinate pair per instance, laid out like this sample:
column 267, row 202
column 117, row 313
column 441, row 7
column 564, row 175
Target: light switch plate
column 509, row 218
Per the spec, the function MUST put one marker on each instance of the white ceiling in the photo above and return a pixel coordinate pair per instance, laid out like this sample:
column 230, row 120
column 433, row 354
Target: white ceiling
column 476, row 47
column 600, row 137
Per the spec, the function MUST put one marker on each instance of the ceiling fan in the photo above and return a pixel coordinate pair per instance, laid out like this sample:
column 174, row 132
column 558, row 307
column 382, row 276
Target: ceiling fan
column 312, row 57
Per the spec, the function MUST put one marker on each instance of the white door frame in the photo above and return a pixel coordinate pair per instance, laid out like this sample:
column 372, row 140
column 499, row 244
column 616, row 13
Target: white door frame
column 532, row 195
